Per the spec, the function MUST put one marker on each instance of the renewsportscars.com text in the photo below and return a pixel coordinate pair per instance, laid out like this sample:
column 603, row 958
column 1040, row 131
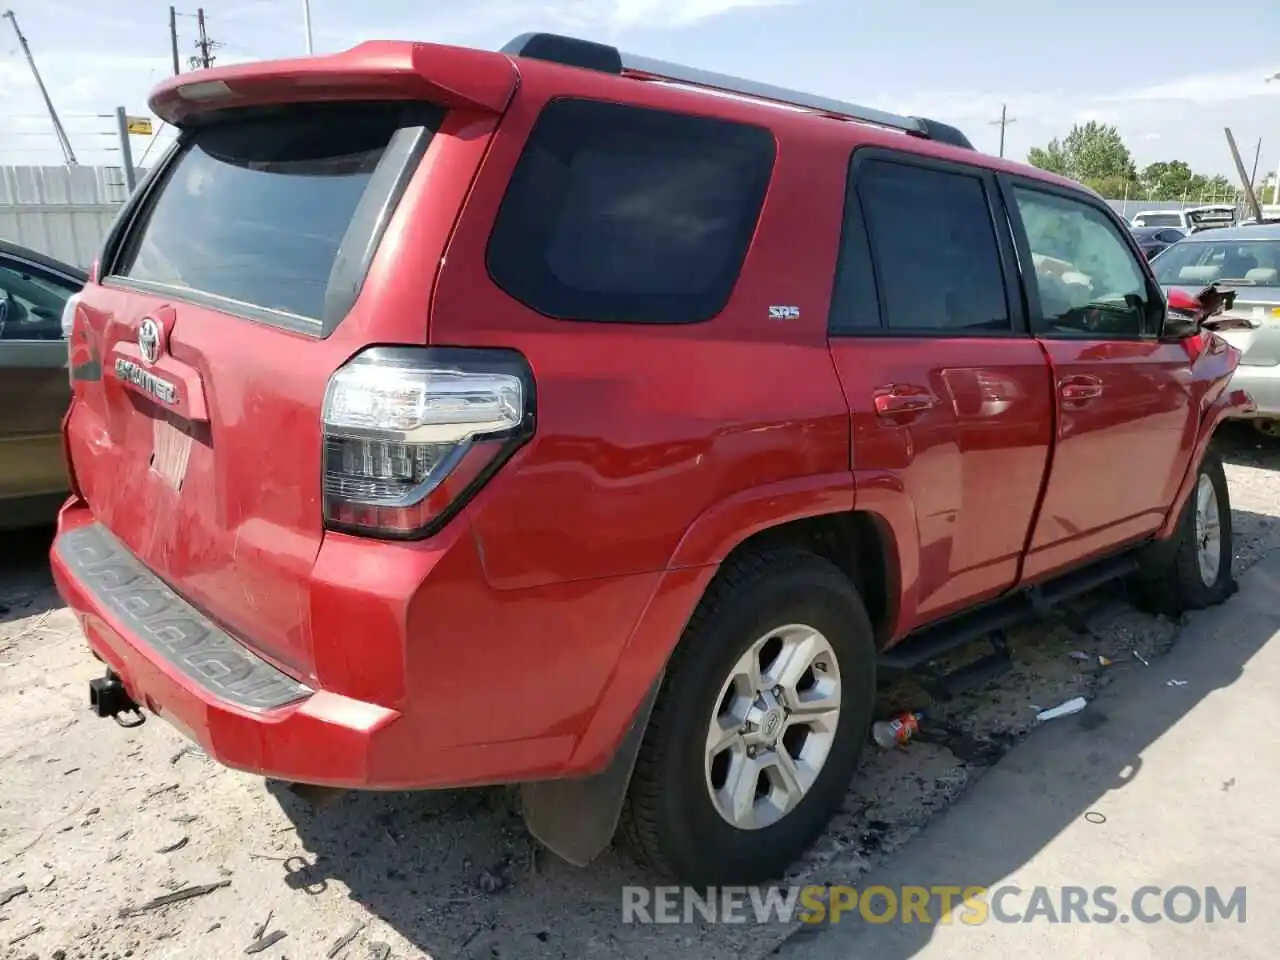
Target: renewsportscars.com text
column 973, row 905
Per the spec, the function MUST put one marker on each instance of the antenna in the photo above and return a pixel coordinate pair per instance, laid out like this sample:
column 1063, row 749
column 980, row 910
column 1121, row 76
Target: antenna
column 59, row 132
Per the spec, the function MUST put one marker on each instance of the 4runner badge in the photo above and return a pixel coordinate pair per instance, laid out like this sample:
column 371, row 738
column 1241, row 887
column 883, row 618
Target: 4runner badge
column 784, row 313
column 148, row 383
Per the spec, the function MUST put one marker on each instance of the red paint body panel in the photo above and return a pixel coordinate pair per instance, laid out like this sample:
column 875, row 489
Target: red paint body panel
column 1136, row 428
column 517, row 642
column 957, row 482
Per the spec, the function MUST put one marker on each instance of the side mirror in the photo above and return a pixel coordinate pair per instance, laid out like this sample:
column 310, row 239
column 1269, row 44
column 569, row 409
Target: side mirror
column 1188, row 313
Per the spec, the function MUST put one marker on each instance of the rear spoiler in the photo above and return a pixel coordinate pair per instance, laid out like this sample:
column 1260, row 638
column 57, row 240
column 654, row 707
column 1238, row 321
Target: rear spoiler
column 453, row 77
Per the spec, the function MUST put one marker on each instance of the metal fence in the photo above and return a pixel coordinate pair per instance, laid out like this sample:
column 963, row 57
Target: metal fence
column 64, row 212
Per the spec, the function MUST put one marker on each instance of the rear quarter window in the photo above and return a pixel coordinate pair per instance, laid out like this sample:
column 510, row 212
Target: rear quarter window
column 628, row 214
column 277, row 211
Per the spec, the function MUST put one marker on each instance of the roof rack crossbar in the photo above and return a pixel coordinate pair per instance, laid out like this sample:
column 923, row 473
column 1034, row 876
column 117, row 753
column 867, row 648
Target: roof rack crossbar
column 587, row 54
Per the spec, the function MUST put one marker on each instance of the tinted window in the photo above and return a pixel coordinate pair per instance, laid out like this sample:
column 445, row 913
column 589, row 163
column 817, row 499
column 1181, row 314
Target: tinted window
column 1255, row 262
column 31, row 303
column 255, row 210
column 628, row 214
column 933, row 247
column 1089, row 280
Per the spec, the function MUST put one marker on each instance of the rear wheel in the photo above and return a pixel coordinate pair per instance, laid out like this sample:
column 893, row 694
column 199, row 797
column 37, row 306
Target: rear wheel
column 758, row 728
column 1194, row 570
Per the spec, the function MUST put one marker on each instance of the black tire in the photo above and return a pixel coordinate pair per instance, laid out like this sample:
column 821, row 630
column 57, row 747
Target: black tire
column 669, row 820
column 1171, row 578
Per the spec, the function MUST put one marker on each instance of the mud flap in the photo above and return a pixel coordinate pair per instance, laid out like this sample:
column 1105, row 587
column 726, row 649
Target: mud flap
column 576, row 819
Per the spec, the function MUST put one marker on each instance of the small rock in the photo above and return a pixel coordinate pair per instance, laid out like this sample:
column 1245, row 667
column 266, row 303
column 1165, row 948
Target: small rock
column 490, row 882
column 176, row 843
column 11, row 894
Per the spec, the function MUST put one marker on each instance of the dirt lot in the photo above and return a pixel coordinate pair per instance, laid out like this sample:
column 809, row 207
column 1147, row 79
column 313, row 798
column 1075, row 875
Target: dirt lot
column 96, row 820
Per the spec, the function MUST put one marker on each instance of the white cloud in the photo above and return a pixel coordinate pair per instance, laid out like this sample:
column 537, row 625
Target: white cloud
column 1180, row 118
column 1204, row 89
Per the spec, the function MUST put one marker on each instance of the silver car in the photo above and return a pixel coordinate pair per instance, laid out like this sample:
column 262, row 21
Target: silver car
column 1247, row 260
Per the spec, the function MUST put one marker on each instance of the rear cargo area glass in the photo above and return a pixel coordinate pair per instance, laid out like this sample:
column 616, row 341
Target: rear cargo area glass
column 261, row 209
column 629, row 214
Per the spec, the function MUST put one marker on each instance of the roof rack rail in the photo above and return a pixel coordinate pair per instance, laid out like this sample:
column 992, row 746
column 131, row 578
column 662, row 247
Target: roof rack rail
column 572, row 52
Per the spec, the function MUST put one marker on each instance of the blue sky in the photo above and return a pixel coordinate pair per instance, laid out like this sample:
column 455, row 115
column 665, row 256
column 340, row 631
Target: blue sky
column 1132, row 64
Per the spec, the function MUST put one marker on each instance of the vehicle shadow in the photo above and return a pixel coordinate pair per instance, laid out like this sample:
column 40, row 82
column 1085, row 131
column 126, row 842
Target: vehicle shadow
column 26, row 583
column 1240, row 444
column 456, row 875
column 1069, row 774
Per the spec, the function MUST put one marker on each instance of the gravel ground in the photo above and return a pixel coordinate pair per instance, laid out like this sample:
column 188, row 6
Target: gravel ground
column 97, row 820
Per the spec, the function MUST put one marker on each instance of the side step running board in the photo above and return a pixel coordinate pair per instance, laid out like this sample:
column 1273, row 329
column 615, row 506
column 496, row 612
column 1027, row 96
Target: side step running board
column 936, row 640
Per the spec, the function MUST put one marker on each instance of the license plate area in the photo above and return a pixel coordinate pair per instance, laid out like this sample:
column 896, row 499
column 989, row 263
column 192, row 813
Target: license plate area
column 170, row 451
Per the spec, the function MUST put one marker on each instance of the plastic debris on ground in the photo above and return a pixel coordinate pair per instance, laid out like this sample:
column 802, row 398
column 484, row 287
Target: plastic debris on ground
column 1074, row 705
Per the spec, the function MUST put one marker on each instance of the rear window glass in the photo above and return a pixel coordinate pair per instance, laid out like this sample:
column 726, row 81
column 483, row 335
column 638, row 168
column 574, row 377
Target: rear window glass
column 1201, row 262
column 1158, row 220
column 621, row 213
column 256, row 210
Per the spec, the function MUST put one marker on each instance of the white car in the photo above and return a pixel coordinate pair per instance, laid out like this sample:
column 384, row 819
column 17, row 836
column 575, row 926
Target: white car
column 1191, row 220
column 1246, row 260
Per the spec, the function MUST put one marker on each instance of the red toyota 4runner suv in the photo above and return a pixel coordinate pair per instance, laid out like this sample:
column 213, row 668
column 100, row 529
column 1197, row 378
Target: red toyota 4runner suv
column 560, row 417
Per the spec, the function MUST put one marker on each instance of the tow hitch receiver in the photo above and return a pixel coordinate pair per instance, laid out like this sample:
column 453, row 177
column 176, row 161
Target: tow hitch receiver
column 108, row 698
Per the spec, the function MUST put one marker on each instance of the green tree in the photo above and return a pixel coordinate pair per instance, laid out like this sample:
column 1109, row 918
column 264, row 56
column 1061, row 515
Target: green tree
column 1220, row 186
column 1166, row 180
column 1050, row 158
column 1094, row 154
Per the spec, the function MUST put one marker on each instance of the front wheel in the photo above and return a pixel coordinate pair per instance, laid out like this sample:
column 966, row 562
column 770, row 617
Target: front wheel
column 757, row 731
column 1194, row 569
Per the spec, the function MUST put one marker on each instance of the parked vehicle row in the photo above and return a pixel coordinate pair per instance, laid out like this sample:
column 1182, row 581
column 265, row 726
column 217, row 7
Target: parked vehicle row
column 1191, row 220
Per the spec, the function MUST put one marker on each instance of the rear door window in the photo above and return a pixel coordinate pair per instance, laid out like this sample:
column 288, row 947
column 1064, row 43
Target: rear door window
column 628, row 214
column 933, row 249
column 279, row 211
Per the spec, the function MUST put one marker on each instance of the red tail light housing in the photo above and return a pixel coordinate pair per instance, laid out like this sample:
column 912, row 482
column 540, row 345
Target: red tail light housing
column 410, row 434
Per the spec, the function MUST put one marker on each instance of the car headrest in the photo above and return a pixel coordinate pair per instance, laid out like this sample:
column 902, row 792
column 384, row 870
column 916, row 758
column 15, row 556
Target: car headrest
column 1264, row 276
column 1206, row 274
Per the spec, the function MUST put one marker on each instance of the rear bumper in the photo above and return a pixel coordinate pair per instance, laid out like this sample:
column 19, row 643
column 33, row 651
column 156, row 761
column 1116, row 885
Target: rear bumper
column 181, row 666
column 1263, row 386
column 557, row 698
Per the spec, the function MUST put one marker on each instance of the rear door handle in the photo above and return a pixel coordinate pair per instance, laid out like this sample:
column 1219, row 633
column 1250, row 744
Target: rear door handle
column 899, row 400
column 1078, row 388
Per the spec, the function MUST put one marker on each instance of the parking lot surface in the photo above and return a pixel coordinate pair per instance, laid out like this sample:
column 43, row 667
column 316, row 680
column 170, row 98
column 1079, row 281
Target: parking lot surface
column 97, row 820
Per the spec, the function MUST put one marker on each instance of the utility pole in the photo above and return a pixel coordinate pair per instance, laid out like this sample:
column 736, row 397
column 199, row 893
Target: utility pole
column 1003, row 122
column 68, row 154
column 306, row 24
column 205, row 59
column 126, row 150
column 173, row 40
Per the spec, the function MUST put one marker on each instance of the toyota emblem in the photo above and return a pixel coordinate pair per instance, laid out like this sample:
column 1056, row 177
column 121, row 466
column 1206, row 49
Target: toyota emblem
column 149, row 335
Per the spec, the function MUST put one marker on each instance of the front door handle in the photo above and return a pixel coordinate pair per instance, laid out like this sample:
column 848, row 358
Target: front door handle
column 1079, row 388
column 894, row 401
